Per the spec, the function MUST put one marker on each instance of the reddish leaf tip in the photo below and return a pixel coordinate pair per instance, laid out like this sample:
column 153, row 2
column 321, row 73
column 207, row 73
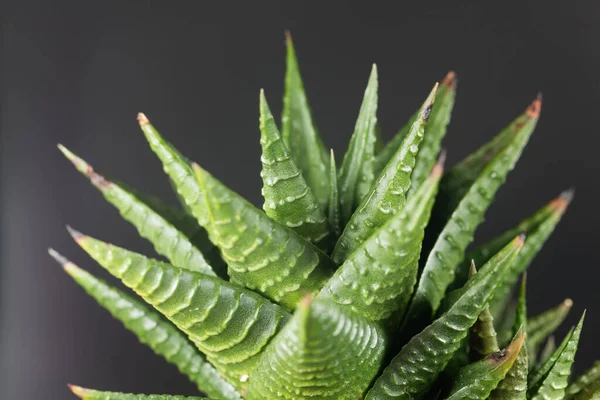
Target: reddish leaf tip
column 534, row 109
column 450, row 80
column 438, row 168
column 561, row 203
column 78, row 390
column 306, row 301
column 567, row 303
column 520, row 239
column 78, row 236
column 142, row 119
column 288, row 37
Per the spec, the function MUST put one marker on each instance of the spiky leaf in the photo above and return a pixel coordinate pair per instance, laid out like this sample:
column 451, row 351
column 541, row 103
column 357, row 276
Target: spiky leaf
column 388, row 194
column 482, row 338
column 333, row 213
column 590, row 392
column 299, row 133
column 449, row 247
column 547, row 350
column 477, row 380
column 229, row 324
column 326, row 351
column 151, row 224
column 90, row 394
column 415, row 368
column 288, row 198
column 152, row 329
column 178, row 169
column 377, row 280
column 541, row 326
column 358, row 171
column 261, row 254
column 584, row 380
column 550, row 382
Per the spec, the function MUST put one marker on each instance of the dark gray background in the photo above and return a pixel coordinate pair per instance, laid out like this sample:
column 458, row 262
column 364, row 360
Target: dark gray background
column 77, row 72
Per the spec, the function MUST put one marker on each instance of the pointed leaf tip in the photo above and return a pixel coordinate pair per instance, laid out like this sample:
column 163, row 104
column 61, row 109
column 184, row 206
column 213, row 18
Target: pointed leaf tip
column 563, row 200
column 142, row 119
column 75, row 234
column 534, row 109
column 426, row 111
column 520, row 240
column 567, row 303
column 78, row 390
column 438, row 168
column 472, row 269
column 305, row 302
column 450, row 80
column 62, row 260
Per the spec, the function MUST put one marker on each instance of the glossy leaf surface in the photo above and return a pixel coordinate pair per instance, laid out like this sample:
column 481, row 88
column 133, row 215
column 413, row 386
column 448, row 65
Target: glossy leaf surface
column 592, row 375
column 90, row 394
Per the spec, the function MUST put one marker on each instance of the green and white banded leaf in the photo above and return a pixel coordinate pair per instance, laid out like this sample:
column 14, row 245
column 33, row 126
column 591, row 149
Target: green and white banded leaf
column 152, row 329
column 412, row 372
column 326, row 351
column 477, row 380
column 333, row 213
column 482, row 337
column 179, row 171
column 434, row 133
column 387, row 196
column 227, row 323
column 592, row 375
column 156, row 223
column 262, row 254
column 514, row 384
column 551, row 381
column 358, row 170
column 90, row 394
column 377, row 280
column 448, row 250
column 288, row 198
column 299, row 132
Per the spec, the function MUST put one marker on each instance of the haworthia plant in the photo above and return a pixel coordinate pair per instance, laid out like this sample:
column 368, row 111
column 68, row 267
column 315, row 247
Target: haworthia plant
column 154, row 330
column 351, row 282
column 388, row 194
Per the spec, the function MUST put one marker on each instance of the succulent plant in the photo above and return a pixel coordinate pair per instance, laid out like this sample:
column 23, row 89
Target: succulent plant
column 352, row 282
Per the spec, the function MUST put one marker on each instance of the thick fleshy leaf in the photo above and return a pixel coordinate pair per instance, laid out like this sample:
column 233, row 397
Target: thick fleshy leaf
column 358, row 170
column 482, row 338
column 590, row 392
column 388, row 194
column 152, row 329
column 288, row 198
column 448, row 250
column 299, row 133
column 261, row 254
column 514, row 384
column 543, row 325
column 412, row 372
column 477, row 380
column 326, row 351
column 178, row 169
column 333, row 213
column 159, row 229
column 592, row 375
column 434, row 132
column 459, row 180
column 90, row 394
column 377, row 280
column 229, row 324
column 538, row 226
column 550, row 382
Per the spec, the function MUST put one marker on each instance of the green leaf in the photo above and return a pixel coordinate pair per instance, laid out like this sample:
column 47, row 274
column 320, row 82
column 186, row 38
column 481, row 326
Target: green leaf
column 590, row 392
column 357, row 172
column 334, row 200
column 448, row 250
column 592, row 375
column 388, row 194
column 377, row 280
column 262, row 254
column 229, row 324
column 434, row 132
column 179, row 171
column 458, row 181
column 541, row 326
column 152, row 329
column 299, row 132
column 514, row 384
column 161, row 230
column 288, row 198
column 416, row 367
column 482, row 338
column 477, row 380
column 90, row 394
column 325, row 352
column 552, row 379
column 547, row 350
